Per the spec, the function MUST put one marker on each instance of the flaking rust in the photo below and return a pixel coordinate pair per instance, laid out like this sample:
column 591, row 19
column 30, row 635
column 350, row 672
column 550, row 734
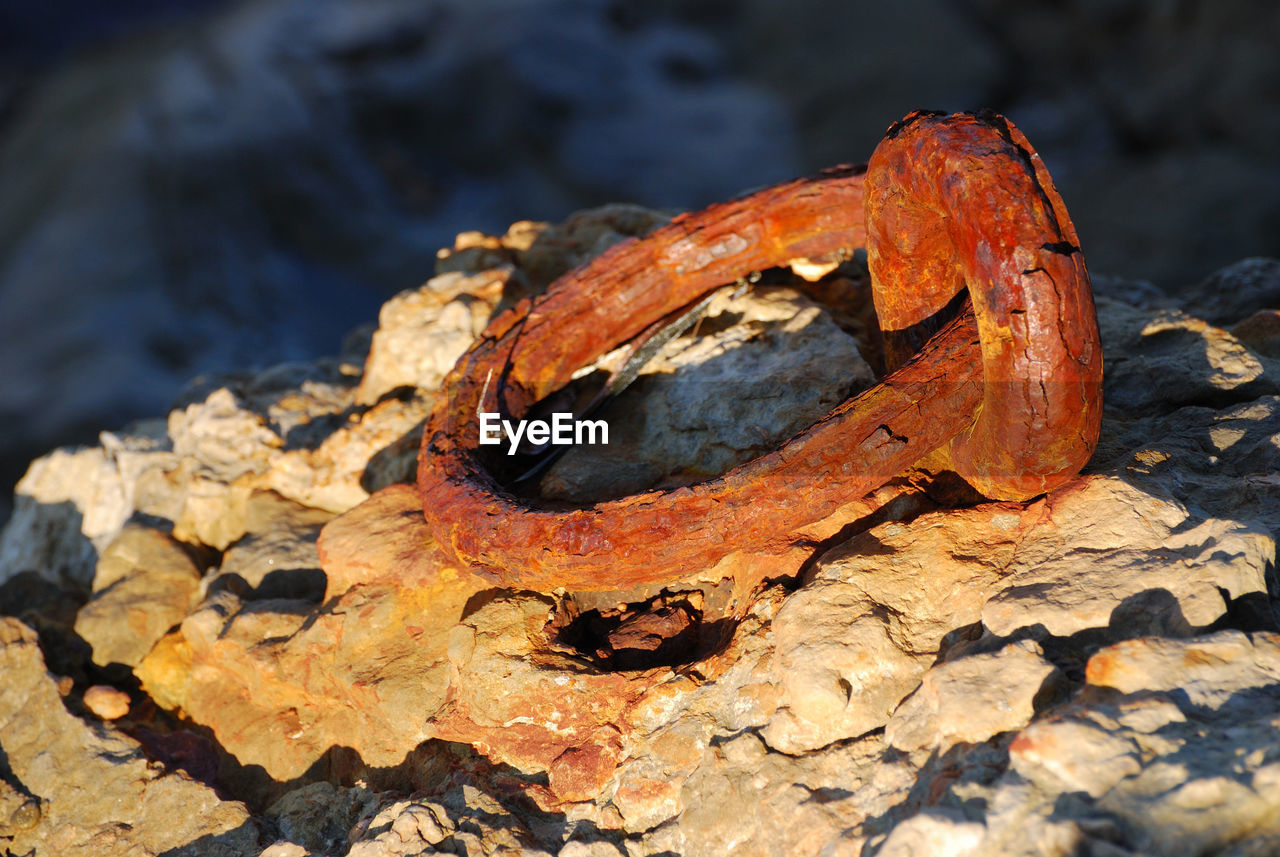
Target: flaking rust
column 1006, row 392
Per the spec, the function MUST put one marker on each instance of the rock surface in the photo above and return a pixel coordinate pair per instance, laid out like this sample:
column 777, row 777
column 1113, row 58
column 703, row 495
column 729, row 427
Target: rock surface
column 145, row 584
column 280, row 681
column 85, row 789
column 974, row 699
column 1094, row 669
column 764, row 367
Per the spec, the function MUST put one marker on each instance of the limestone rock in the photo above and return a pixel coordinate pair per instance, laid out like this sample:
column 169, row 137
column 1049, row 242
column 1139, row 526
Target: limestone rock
column 973, row 698
column 422, row 333
column 337, row 457
column 590, row 849
column 145, row 584
column 770, row 364
column 1224, row 670
column 68, row 505
column 1231, row 294
column 466, row 821
column 1156, row 361
column 97, row 792
column 695, row 759
column 544, row 251
column 1260, row 332
column 1092, row 556
column 840, row 670
column 223, row 449
column 1157, row 567
column 223, row 438
column 401, row 829
column 673, row 726
column 374, row 448
column 1153, row 771
column 276, row 557
column 49, row 609
column 201, row 470
column 1001, row 678
column 284, row 849
column 935, row 833
column 319, row 816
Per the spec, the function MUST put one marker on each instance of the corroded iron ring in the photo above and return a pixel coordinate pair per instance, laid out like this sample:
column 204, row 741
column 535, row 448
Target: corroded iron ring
column 963, row 200
column 1007, row 392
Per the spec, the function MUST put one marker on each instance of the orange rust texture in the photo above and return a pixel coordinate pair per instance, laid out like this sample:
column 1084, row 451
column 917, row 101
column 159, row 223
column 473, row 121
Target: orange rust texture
column 964, row 199
column 939, row 394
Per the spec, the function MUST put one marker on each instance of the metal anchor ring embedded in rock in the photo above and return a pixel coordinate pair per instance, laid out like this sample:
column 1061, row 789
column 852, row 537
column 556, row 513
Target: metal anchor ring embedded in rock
column 1003, row 386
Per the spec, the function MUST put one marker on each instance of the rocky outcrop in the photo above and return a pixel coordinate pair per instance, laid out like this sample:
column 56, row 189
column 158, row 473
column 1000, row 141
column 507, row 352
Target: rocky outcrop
column 1093, row 669
column 399, row 626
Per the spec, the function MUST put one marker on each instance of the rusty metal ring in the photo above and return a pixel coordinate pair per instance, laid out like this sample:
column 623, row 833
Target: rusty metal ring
column 1010, row 397
column 963, row 200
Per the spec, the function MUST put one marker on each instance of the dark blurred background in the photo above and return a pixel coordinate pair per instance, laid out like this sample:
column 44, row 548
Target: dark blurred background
column 188, row 186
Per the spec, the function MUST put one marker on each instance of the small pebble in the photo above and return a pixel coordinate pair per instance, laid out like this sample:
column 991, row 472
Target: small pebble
column 107, row 702
column 26, row 816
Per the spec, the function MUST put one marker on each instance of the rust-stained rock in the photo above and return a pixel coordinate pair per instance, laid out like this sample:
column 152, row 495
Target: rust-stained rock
column 553, row 716
column 380, row 542
column 242, row 644
column 364, row 672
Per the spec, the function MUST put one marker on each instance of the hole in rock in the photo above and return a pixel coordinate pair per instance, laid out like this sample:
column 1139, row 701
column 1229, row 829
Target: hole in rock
column 671, row 629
